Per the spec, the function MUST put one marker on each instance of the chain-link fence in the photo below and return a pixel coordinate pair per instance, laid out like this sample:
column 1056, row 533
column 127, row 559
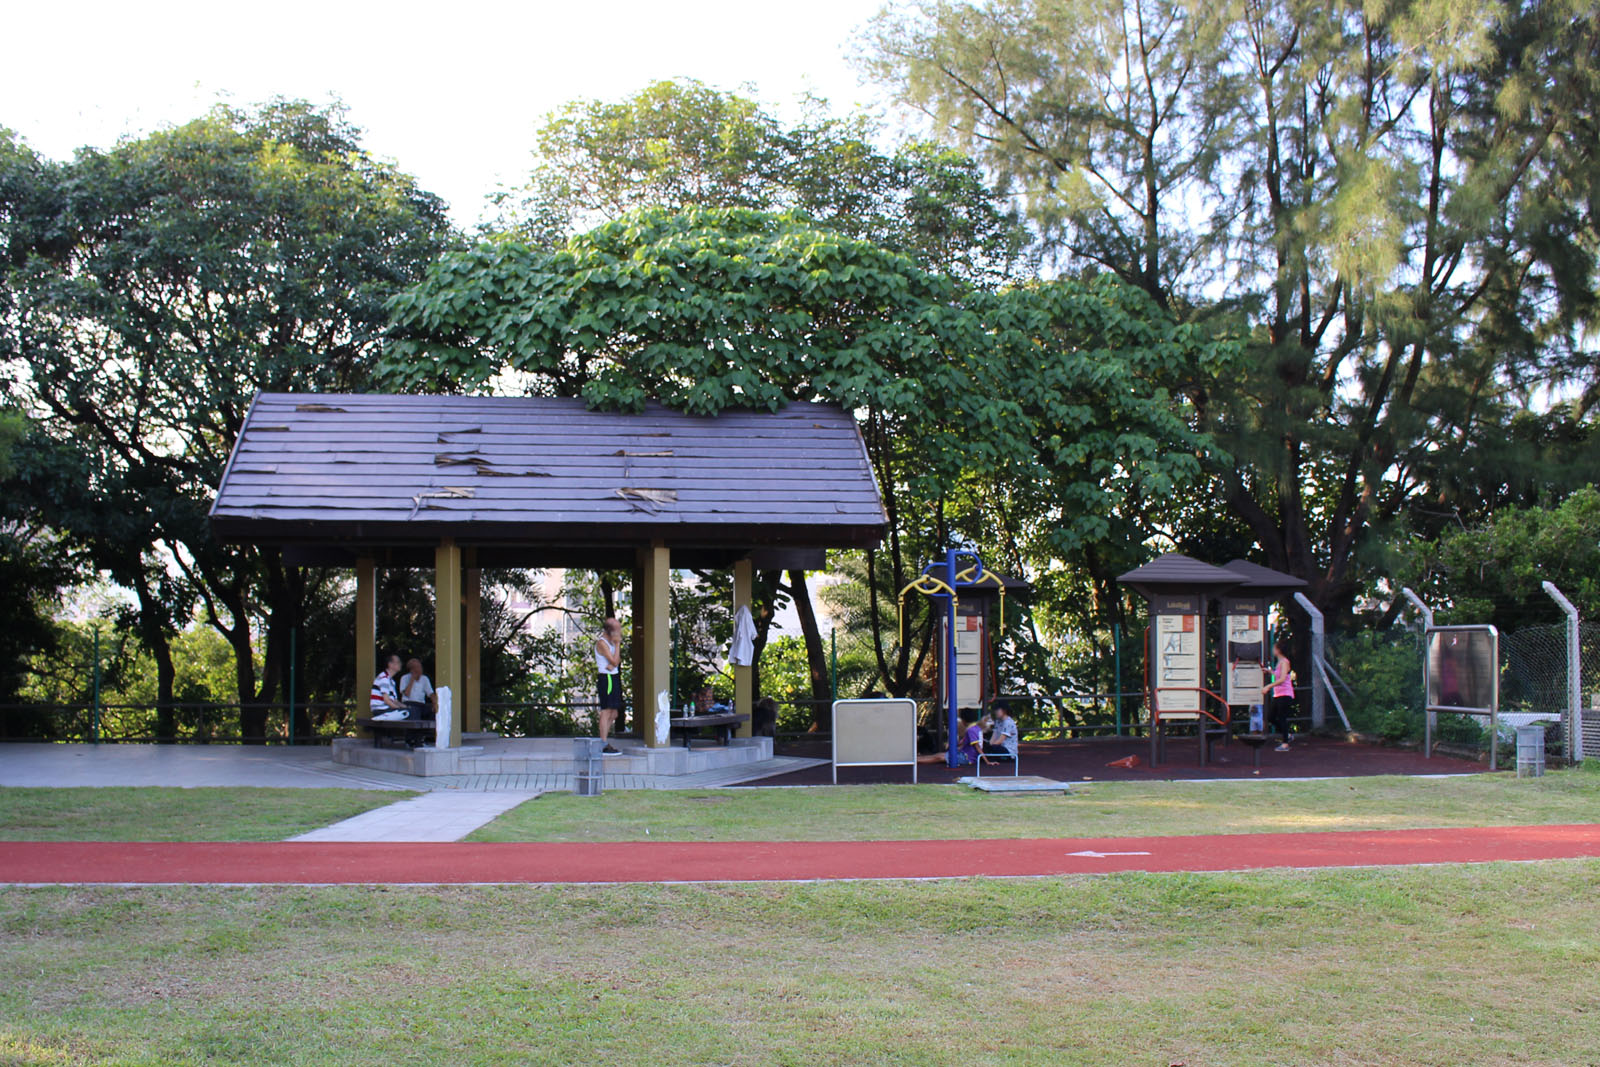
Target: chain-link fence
column 1384, row 695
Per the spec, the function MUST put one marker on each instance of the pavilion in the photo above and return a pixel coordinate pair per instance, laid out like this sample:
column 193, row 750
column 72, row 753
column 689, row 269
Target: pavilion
column 462, row 483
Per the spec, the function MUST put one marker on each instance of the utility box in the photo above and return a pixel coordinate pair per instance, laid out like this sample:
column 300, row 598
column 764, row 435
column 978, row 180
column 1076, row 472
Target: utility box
column 1530, row 751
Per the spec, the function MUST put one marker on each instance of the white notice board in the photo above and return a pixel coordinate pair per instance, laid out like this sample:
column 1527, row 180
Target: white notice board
column 874, row 733
column 1178, row 655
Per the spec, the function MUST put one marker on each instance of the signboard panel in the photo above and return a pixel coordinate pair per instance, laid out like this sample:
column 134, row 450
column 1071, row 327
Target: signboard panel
column 1175, row 604
column 1179, row 654
column 1464, row 669
column 1244, row 658
column 874, row 733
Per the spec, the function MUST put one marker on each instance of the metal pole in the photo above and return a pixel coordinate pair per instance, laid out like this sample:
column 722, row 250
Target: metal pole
column 292, row 631
column 1574, row 723
column 1319, row 708
column 833, row 654
column 1116, row 682
column 951, row 691
column 94, row 726
column 1423, row 609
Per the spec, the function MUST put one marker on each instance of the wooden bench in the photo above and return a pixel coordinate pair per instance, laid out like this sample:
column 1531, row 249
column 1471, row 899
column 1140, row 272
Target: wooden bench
column 410, row 732
column 689, row 725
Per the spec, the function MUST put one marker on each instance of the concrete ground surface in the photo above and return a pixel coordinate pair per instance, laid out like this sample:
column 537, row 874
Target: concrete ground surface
column 308, row 767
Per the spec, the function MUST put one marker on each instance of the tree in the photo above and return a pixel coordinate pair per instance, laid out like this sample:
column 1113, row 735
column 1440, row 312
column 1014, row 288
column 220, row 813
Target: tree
column 1493, row 573
column 1047, row 400
column 681, row 144
column 33, row 570
column 152, row 289
column 1383, row 201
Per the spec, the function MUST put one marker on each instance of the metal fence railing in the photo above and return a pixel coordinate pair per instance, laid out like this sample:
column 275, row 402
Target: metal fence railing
column 176, row 723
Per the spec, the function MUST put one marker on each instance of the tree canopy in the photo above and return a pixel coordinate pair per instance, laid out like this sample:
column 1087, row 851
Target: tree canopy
column 1046, row 405
column 151, row 290
column 1391, row 204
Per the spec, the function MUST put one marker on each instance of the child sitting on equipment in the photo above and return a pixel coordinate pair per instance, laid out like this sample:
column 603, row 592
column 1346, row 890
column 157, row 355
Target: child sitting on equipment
column 971, row 734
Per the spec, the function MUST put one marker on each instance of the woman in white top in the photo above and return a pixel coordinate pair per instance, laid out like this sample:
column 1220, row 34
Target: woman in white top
column 608, row 665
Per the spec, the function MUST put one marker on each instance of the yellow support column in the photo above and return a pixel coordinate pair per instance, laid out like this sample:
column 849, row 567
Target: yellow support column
column 472, row 627
column 366, row 633
column 447, row 658
column 743, row 677
column 639, row 600
column 654, row 661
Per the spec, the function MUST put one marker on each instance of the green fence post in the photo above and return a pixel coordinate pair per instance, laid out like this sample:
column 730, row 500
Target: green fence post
column 292, row 631
column 94, row 726
column 833, row 652
column 1116, row 656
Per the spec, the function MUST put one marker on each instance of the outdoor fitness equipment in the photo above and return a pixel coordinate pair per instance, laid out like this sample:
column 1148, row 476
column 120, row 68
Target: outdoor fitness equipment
column 1178, row 589
column 961, row 657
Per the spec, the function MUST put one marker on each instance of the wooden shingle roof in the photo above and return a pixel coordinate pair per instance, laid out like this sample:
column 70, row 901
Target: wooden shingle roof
column 1263, row 580
column 1177, row 573
column 397, row 470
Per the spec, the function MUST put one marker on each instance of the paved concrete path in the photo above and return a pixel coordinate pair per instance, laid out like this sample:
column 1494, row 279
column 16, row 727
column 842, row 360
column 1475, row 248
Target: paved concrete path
column 308, row 767
column 464, row 863
column 442, row 815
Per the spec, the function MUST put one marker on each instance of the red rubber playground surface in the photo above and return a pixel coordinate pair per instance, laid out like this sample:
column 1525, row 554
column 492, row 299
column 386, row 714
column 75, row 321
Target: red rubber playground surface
column 461, row 863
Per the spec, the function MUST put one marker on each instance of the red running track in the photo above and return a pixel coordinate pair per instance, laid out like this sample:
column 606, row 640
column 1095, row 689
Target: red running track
column 318, row 863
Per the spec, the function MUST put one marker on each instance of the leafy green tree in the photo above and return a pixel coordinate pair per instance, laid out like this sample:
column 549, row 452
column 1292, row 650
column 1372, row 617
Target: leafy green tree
column 151, row 290
column 1386, row 202
column 681, row 144
column 34, row 567
column 1050, row 398
column 1494, row 572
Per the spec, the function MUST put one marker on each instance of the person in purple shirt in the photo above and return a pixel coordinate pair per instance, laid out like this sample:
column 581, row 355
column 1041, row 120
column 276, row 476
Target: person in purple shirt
column 971, row 735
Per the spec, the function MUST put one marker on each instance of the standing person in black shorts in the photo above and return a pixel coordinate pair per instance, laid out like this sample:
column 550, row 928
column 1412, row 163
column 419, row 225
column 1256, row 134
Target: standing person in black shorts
column 608, row 666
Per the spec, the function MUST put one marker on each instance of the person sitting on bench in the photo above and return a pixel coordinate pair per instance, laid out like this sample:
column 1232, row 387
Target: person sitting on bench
column 1002, row 740
column 416, row 691
column 385, row 700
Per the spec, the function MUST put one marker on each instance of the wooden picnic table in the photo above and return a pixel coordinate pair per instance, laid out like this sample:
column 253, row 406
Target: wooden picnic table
column 723, row 723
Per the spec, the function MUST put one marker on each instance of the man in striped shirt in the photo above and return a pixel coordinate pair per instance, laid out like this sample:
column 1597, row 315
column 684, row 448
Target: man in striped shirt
column 384, row 697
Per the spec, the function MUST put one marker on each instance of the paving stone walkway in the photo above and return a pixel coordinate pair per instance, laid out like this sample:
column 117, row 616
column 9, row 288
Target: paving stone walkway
column 441, row 815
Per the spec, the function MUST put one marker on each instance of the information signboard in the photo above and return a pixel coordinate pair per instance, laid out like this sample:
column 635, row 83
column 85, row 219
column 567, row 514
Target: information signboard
column 1463, row 676
column 1179, row 654
column 874, row 733
column 1244, row 658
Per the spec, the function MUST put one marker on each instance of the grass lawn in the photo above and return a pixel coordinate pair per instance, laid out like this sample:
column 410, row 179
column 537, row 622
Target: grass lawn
column 1402, row 966
column 155, row 814
column 1098, row 809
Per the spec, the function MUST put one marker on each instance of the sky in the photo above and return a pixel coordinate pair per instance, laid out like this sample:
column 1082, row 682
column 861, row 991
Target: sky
column 451, row 92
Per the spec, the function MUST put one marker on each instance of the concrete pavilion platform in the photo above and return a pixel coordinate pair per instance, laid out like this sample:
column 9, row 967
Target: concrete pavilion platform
column 488, row 754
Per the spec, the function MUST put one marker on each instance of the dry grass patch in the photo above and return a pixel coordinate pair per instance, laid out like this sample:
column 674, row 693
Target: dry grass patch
column 160, row 814
column 1488, row 964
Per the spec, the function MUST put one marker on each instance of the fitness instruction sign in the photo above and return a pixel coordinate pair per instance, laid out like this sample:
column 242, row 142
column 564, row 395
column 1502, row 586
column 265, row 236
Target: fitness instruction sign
column 1178, row 654
column 1246, row 658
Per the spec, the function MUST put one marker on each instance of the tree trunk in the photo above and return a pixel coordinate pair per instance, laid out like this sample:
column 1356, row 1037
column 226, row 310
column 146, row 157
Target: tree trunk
column 816, row 655
column 156, row 638
column 762, row 609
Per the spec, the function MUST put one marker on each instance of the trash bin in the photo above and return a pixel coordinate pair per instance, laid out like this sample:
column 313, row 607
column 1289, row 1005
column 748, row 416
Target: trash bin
column 587, row 763
column 1530, row 751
